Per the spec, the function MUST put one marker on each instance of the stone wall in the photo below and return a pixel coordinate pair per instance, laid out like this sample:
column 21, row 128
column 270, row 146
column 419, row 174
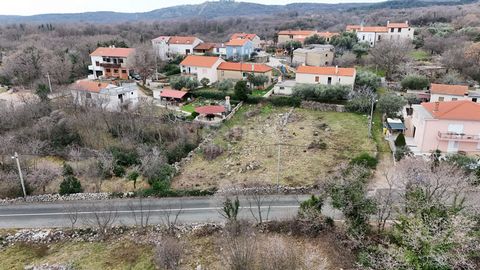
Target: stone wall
column 324, row 107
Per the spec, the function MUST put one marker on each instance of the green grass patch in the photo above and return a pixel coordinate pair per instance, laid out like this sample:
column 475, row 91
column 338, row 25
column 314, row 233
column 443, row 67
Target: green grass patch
column 420, row 55
column 379, row 72
column 188, row 108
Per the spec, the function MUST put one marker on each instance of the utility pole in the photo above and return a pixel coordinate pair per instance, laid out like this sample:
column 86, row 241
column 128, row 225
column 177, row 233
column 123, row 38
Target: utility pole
column 371, row 119
column 20, row 174
column 278, row 167
column 49, row 82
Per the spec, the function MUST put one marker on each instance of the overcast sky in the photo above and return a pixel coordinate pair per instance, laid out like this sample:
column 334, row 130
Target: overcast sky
column 30, row 7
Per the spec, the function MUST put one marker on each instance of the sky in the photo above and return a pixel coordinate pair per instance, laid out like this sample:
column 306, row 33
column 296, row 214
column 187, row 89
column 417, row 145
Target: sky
column 31, row 7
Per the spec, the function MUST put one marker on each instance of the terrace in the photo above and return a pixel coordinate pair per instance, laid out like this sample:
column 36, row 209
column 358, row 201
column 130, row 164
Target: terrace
column 452, row 136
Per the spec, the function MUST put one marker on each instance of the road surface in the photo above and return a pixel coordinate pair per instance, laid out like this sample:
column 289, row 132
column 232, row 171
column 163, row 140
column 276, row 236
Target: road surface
column 128, row 211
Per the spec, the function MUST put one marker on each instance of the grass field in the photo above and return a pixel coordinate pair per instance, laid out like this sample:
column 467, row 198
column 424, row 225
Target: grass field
column 254, row 158
column 124, row 253
column 420, row 55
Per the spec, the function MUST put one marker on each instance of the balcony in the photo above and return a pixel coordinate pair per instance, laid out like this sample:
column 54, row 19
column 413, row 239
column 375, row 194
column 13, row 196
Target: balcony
column 110, row 65
column 452, row 136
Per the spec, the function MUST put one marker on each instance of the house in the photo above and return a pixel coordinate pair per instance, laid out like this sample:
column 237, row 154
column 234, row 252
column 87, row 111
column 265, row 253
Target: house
column 110, row 62
column 327, row 35
column 220, row 50
column 204, row 48
column 239, row 49
column 326, row 75
column 375, row 34
column 240, row 71
column 445, row 92
column 451, row 126
column 294, row 35
column 104, row 95
column 167, row 47
column 314, row 55
column 201, row 67
column 169, row 95
column 257, row 42
column 284, row 88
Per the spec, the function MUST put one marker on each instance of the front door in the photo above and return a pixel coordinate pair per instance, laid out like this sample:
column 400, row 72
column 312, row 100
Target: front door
column 453, row 146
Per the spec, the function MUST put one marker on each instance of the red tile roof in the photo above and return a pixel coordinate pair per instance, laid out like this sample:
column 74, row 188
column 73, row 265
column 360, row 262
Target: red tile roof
column 204, row 46
column 236, row 42
column 353, row 27
column 243, row 36
column 181, row 40
column 349, row 72
column 89, row 86
column 446, row 89
column 297, row 32
column 246, row 67
column 327, row 34
column 398, row 25
column 454, row 110
column 200, row 61
column 112, row 52
column 210, row 109
column 169, row 93
column 377, row 29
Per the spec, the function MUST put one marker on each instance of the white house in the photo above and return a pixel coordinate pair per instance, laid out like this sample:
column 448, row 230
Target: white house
column 103, row 95
column 326, row 75
column 201, row 67
column 220, row 50
column 170, row 46
column 374, row 34
column 110, row 62
column 445, row 92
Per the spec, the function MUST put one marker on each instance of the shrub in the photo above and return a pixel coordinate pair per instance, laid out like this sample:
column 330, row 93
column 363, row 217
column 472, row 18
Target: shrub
column 254, row 99
column 368, row 79
column 241, row 90
column 133, row 176
column 168, row 253
column 314, row 92
column 162, row 174
column 212, row 151
column 125, row 157
column 205, row 82
column 400, row 140
column 285, row 101
column 225, row 85
column 311, row 206
column 209, row 94
column 119, row 170
column 230, row 209
column 391, row 104
column 415, row 82
column 365, row 160
column 70, row 184
column 401, row 152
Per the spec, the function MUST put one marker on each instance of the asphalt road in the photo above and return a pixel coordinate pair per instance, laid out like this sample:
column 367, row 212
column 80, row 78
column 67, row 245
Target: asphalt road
column 159, row 211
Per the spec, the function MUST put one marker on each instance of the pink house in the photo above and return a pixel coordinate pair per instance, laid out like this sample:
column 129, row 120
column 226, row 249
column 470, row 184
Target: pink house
column 450, row 126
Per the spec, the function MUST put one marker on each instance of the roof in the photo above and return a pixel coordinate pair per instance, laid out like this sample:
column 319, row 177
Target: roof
column 161, row 38
column 113, row 52
column 237, row 42
column 210, row 109
column 353, row 27
column 327, row 34
column 169, row 93
column 350, row 72
column 204, row 46
column 297, row 32
column 243, row 36
column 395, row 124
column 446, row 89
column 219, row 45
column 360, row 28
column 398, row 25
column 181, row 40
column 249, row 67
column 199, row 61
column 90, row 86
column 454, row 110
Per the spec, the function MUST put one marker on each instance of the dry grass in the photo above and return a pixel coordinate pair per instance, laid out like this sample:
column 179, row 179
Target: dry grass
column 254, row 157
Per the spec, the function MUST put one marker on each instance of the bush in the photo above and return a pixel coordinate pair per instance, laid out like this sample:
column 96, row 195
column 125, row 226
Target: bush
column 119, row 170
column 415, row 82
column 225, row 85
column 311, row 206
column 368, row 79
column 254, row 99
column 209, row 94
column 391, row 104
column 285, row 101
column 241, row 91
column 401, row 152
column 70, row 184
column 125, row 157
column 168, row 253
column 205, row 82
column 162, row 175
column 400, row 140
column 319, row 92
column 365, row 160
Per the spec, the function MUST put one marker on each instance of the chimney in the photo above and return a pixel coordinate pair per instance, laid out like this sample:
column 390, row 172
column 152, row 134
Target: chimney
column 336, row 69
column 437, row 107
column 406, row 22
column 388, row 22
column 253, row 68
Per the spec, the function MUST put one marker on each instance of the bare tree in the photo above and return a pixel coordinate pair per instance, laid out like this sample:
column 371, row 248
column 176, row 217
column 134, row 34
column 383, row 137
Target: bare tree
column 141, row 212
column 168, row 253
column 240, row 248
column 143, row 61
column 259, row 202
column 389, row 54
column 170, row 215
column 277, row 253
column 102, row 217
column 71, row 211
column 385, row 203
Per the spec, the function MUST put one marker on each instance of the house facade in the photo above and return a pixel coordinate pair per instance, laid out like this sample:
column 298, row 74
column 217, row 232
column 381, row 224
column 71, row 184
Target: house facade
column 374, row 34
column 110, row 62
column 240, row 71
column 204, row 48
column 167, row 47
column 445, row 92
column 314, row 55
column 103, row 95
column 326, row 75
column 451, row 127
column 239, row 49
column 201, row 67
column 294, row 35
column 257, row 42
column 219, row 49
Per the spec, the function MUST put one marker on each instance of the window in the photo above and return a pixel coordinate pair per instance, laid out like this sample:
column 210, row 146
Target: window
column 107, row 70
column 326, row 55
column 109, row 60
column 363, row 37
column 88, row 95
column 97, row 64
column 187, row 51
column 399, row 30
column 120, row 61
column 474, row 99
column 131, row 93
column 326, row 63
column 124, row 71
column 441, row 98
column 104, row 59
column 454, row 99
column 317, row 78
column 379, row 37
column 282, row 87
column 409, row 29
column 115, row 71
column 329, row 81
column 392, row 30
